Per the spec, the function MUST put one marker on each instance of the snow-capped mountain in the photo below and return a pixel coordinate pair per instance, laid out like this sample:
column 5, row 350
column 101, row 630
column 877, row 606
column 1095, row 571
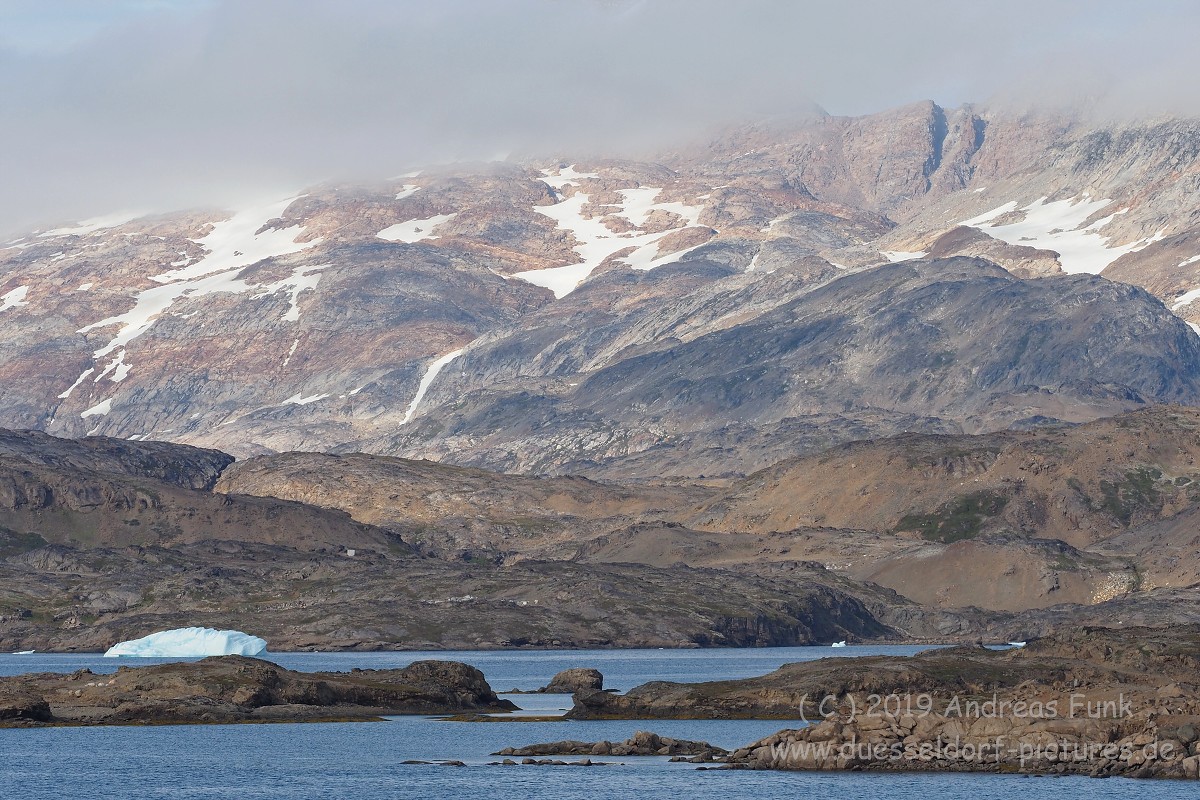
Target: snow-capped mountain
column 714, row 310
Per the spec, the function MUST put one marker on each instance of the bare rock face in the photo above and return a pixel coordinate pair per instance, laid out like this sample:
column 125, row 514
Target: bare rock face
column 451, row 510
column 19, row 706
column 468, row 314
column 102, row 492
column 1024, row 262
column 576, row 679
column 186, row 467
column 1062, row 514
column 893, row 348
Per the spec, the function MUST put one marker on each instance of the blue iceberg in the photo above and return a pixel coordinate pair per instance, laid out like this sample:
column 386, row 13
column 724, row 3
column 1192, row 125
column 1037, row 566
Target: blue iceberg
column 190, row 643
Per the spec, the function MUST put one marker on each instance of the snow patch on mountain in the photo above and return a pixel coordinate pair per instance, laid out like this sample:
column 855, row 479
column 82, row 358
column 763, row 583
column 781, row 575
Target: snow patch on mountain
column 299, row 400
column 567, row 176
column 291, row 352
column 94, row 224
column 98, row 410
column 152, row 303
column 988, row 216
column 415, row 230
column 427, row 379
column 598, row 242
column 407, row 190
column 117, row 367
column 302, row 279
column 647, row 257
column 75, row 385
column 1185, row 299
column 232, row 245
column 639, row 202
column 896, row 256
column 14, row 298
column 1061, row 226
column 242, row 240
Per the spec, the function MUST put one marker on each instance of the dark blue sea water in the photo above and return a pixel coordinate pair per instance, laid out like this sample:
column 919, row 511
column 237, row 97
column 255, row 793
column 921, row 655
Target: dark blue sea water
column 362, row 761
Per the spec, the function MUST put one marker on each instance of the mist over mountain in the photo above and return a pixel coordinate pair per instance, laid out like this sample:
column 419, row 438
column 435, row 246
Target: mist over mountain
column 155, row 105
column 779, row 289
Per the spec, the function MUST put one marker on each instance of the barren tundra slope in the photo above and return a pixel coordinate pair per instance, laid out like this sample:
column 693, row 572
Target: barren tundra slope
column 1092, row 516
column 314, row 550
column 91, row 555
column 457, row 510
column 1005, row 520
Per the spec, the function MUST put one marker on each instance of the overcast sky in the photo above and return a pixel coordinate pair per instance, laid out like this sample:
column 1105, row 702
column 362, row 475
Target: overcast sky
column 112, row 105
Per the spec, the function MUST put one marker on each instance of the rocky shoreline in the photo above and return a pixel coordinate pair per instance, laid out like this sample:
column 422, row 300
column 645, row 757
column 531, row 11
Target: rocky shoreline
column 1099, row 701
column 227, row 689
column 1134, row 748
column 1096, row 702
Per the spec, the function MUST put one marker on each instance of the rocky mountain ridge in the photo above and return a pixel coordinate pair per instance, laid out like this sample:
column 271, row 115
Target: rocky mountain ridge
column 531, row 317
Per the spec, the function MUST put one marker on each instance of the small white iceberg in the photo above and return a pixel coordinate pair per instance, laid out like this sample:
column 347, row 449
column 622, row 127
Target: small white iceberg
column 839, row 644
column 24, row 652
column 190, row 643
column 1016, row 644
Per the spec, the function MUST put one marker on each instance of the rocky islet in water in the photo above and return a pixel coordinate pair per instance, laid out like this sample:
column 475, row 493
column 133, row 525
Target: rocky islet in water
column 226, row 689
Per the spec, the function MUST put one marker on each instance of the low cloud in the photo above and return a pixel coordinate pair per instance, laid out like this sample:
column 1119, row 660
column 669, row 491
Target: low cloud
column 178, row 103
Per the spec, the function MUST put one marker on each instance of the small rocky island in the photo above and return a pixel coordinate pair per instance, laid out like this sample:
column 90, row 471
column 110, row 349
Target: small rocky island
column 225, row 689
column 642, row 743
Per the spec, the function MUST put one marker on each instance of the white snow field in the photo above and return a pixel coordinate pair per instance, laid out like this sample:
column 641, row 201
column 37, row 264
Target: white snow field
column 567, row 176
column 597, row 242
column 95, row 224
column 232, row 245
column 415, row 230
column 1059, row 226
column 299, row 400
column 190, row 643
column 98, row 410
column 14, row 299
column 896, row 256
column 427, row 380
column 1185, row 299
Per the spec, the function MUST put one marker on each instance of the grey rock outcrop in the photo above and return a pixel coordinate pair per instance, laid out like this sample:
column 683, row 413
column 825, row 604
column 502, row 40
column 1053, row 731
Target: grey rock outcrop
column 642, row 743
column 576, row 679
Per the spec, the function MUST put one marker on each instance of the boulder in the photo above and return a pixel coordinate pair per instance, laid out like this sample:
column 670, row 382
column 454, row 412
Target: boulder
column 573, row 680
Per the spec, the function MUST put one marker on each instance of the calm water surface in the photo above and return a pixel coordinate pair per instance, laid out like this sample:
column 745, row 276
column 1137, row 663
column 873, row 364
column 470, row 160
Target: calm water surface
column 362, row 761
